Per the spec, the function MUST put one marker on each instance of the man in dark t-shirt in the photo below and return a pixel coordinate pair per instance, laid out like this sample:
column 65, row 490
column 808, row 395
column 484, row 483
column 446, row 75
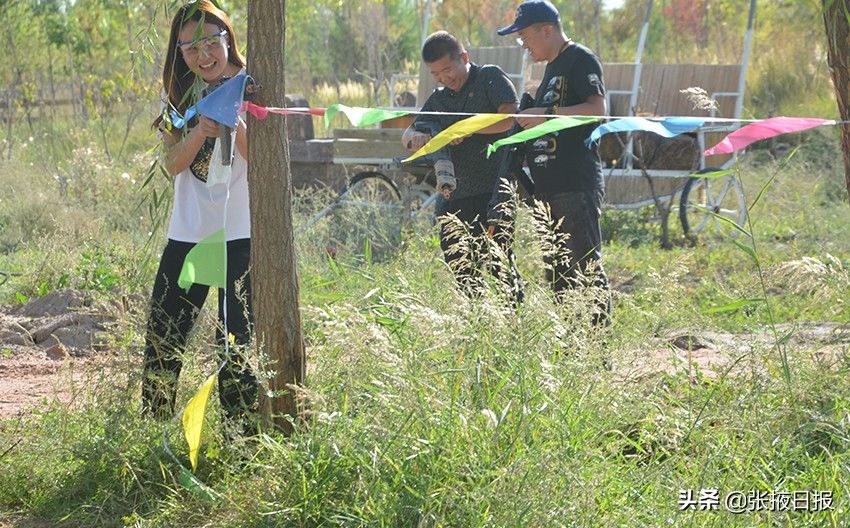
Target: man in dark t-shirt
column 567, row 175
column 466, row 88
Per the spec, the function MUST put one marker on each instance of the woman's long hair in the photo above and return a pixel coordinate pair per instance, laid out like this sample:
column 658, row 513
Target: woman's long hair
column 177, row 78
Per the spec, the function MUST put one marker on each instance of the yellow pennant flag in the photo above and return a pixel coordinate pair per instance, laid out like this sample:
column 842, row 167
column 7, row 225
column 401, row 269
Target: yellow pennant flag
column 458, row 130
column 193, row 419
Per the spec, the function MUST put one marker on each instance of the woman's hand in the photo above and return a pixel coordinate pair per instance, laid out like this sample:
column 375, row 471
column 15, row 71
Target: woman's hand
column 207, row 127
column 181, row 147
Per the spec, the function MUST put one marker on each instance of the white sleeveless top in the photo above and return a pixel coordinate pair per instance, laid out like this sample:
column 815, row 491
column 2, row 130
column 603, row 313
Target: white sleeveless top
column 200, row 209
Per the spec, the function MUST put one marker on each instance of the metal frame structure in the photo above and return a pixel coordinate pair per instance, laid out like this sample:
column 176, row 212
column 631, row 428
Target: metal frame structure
column 633, row 97
column 698, row 195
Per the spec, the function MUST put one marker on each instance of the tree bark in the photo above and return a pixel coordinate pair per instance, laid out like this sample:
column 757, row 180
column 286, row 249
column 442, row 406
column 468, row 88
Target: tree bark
column 837, row 23
column 597, row 27
column 277, row 319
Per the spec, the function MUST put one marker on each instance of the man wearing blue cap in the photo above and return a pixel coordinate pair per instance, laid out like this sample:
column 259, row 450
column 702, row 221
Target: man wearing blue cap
column 567, row 175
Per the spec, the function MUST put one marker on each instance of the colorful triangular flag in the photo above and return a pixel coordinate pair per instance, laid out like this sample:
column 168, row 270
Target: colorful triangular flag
column 668, row 127
column 361, row 117
column 193, row 419
column 764, row 129
column 547, row 127
column 461, row 129
column 222, row 104
column 206, row 263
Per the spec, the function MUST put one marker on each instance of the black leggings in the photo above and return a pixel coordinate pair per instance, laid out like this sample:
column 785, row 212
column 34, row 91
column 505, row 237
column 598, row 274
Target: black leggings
column 173, row 312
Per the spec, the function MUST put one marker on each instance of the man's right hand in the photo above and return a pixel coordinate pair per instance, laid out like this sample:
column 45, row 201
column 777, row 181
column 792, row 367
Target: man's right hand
column 418, row 140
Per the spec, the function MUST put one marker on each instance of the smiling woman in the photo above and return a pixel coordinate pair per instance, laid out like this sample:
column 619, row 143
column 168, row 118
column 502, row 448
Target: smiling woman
column 201, row 55
column 202, row 43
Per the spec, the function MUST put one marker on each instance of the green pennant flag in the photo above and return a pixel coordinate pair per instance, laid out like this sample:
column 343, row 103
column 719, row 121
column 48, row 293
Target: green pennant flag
column 360, row 116
column 206, row 263
column 198, row 488
column 552, row 125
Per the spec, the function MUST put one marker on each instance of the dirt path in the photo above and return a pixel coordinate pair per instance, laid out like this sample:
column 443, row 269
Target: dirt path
column 713, row 354
column 46, row 346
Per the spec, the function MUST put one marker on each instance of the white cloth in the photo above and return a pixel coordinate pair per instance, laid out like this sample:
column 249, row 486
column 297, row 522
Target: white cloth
column 219, row 173
column 199, row 210
column 199, row 207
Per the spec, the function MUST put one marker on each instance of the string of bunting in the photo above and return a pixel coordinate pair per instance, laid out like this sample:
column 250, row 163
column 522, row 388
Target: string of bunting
column 207, row 262
column 228, row 100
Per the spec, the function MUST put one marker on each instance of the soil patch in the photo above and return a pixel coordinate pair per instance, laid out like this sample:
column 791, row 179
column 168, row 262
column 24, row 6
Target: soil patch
column 48, row 340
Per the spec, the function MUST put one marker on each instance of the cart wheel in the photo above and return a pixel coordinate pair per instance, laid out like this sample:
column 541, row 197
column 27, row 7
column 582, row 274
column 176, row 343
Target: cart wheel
column 423, row 203
column 703, row 196
column 369, row 217
column 372, row 188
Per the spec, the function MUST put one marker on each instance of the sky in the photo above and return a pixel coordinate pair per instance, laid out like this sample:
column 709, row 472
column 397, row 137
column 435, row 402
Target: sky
column 610, row 4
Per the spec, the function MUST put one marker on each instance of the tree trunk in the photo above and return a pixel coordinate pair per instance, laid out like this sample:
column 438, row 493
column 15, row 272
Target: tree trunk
column 53, row 108
column 838, row 45
column 277, row 320
column 597, row 27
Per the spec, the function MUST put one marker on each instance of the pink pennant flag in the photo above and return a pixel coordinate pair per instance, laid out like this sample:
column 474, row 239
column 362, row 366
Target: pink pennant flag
column 262, row 112
column 766, row 128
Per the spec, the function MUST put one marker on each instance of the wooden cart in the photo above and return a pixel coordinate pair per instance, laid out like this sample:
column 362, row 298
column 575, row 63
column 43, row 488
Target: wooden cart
column 640, row 168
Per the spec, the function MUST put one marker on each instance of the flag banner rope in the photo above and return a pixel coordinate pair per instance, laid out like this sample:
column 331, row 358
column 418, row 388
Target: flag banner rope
column 224, row 104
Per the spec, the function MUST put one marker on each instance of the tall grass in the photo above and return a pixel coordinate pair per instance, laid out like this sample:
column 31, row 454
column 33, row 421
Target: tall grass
column 426, row 408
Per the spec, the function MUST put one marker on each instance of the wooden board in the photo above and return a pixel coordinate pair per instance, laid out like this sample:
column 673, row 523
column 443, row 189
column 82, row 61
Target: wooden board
column 374, row 134
column 311, row 151
column 660, row 85
column 369, row 143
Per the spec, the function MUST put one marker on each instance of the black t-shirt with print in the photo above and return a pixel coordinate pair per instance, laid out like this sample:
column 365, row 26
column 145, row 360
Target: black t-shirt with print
column 486, row 88
column 561, row 162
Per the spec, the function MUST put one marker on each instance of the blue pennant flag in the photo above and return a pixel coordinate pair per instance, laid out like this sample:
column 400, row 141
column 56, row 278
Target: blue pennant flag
column 668, row 127
column 222, row 104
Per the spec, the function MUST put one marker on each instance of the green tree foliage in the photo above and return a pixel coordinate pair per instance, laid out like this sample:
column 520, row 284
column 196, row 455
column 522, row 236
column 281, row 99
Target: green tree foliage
column 335, row 40
column 79, row 45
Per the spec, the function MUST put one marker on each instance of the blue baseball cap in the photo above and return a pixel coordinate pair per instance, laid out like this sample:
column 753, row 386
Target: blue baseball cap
column 531, row 12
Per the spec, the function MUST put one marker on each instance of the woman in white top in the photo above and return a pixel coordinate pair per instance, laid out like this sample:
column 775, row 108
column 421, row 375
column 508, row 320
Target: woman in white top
column 201, row 52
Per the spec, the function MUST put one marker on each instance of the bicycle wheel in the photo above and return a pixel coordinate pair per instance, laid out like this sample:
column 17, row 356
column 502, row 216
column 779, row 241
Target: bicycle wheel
column 703, row 200
column 369, row 215
column 374, row 188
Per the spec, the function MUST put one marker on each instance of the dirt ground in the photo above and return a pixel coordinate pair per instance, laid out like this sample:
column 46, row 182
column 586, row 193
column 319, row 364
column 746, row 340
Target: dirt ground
column 48, row 345
column 712, row 355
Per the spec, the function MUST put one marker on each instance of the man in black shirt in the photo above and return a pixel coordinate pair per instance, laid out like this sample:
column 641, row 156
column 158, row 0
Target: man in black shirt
column 567, row 175
column 466, row 88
